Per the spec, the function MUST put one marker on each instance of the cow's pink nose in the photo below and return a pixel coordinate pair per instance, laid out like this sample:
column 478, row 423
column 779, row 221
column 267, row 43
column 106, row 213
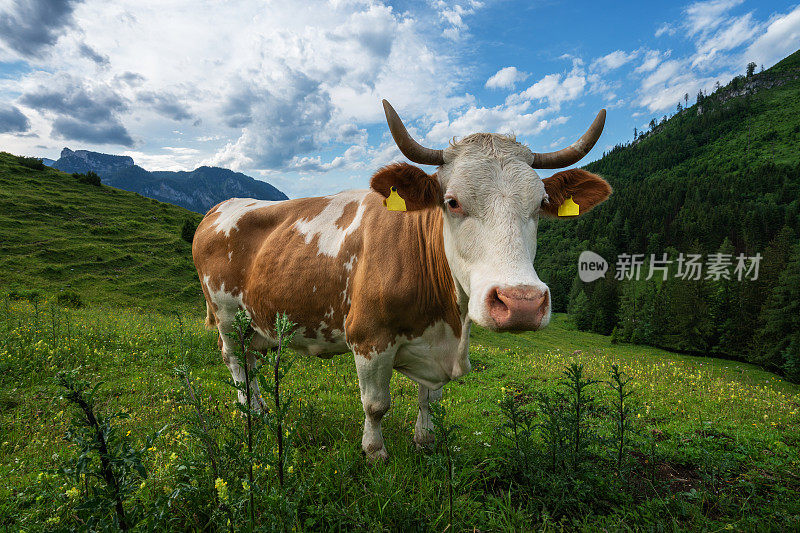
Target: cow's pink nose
column 518, row 308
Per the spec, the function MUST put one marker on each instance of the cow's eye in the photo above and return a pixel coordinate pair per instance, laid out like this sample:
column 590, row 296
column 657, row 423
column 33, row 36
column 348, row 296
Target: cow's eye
column 453, row 206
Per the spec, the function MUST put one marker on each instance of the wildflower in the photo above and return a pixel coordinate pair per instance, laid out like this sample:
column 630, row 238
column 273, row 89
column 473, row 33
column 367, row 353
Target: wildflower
column 222, row 489
column 245, row 484
column 73, row 493
column 291, row 469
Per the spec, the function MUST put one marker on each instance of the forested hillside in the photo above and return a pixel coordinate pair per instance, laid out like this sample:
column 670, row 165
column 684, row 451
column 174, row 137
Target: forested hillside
column 720, row 176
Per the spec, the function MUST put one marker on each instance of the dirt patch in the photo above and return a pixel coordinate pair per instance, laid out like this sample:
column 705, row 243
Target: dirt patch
column 674, row 477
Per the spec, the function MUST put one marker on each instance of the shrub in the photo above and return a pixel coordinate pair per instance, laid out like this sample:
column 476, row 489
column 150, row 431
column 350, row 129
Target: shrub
column 34, row 163
column 188, row 229
column 90, row 178
column 106, row 467
column 29, row 295
column 70, row 299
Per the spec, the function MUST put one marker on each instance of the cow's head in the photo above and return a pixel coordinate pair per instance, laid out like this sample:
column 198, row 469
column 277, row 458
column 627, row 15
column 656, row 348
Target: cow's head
column 492, row 199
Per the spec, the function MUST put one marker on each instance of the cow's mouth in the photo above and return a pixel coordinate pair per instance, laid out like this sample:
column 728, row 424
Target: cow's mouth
column 520, row 308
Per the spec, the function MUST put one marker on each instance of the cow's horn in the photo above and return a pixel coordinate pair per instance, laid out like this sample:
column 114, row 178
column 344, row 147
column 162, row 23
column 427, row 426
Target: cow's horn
column 574, row 152
column 410, row 148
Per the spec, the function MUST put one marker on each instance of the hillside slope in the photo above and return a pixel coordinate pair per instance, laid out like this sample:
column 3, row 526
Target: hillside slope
column 196, row 191
column 107, row 246
column 721, row 176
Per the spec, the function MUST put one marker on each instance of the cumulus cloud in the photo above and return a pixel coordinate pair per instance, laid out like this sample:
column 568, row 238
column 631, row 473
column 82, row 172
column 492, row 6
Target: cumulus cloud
column 167, row 105
column 268, row 85
column 351, row 157
column 453, row 13
column 106, row 132
column 513, row 119
column 554, row 88
column 506, row 78
column 28, row 27
column 84, row 111
column 12, row 120
column 282, row 119
column 90, row 53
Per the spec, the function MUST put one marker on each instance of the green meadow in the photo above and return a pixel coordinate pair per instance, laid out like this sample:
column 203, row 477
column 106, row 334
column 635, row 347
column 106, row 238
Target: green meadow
column 714, row 443
column 99, row 281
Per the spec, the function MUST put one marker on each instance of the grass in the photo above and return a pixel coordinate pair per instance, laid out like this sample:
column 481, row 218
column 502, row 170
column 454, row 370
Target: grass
column 108, row 246
column 717, row 427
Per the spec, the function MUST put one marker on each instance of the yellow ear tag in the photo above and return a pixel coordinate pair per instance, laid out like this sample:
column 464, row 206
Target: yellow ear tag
column 394, row 202
column 569, row 208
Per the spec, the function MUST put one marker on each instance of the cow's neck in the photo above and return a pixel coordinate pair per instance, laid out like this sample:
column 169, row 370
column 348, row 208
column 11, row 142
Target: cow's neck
column 438, row 288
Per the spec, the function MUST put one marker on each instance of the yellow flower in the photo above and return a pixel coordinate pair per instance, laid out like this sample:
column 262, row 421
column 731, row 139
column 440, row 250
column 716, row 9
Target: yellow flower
column 73, row 493
column 245, row 484
column 222, row 489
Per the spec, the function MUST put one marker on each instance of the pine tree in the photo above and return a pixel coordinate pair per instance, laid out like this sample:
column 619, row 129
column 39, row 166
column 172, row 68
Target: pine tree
column 777, row 341
column 580, row 311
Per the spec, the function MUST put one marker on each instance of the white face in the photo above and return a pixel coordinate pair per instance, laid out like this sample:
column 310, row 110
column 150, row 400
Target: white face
column 492, row 199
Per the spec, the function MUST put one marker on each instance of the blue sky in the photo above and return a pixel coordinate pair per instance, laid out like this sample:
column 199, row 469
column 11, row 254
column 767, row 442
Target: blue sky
column 290, row 92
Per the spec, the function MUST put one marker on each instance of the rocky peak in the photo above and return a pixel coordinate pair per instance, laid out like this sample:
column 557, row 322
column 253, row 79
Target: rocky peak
column 84, row 161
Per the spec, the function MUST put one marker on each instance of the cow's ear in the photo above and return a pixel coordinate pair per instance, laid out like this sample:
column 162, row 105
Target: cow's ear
column 418, row 189
column 585, row 189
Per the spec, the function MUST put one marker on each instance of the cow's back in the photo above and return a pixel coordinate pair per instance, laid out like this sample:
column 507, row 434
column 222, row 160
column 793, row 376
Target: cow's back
column 333, row 264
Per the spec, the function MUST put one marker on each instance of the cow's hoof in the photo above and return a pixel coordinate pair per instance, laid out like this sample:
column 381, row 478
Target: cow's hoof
column 424, row 440
column 379, row 456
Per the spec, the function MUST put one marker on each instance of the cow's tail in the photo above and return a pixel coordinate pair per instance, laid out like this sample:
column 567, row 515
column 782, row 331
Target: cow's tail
column 211, row 319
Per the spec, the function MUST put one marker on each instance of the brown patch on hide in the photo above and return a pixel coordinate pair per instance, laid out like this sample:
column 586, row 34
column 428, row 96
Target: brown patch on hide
column 399, row 282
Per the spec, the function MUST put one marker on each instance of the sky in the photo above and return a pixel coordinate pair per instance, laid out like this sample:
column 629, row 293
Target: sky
column 290, row 92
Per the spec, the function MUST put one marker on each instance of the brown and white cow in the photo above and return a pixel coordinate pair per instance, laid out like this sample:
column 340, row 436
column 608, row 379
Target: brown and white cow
column 397, row 288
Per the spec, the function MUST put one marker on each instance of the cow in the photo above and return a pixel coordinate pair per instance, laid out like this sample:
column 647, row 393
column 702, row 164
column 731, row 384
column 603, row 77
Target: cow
column 397, row 288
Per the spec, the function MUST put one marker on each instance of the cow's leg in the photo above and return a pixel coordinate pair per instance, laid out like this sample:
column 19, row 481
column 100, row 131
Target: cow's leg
column 374, row 374
column 423, row 430
column 228, row 347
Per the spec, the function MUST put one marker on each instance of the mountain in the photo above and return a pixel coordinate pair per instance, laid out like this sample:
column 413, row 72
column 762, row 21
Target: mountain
column 197, row 190
column 721, row 176
column 82, row 161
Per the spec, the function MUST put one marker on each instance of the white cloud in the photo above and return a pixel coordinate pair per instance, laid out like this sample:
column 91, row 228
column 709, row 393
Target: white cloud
column 733, row 33
column 704, row 17
column 515, row 115
column 724, row 44
column 667, row 85
column 453, row 13
column 666, row 29
column 555, row 88
column 268, row 84
column 651, row 60
column 506, row 78
column 780, row 38
column 499, row 119
column 614, row 60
